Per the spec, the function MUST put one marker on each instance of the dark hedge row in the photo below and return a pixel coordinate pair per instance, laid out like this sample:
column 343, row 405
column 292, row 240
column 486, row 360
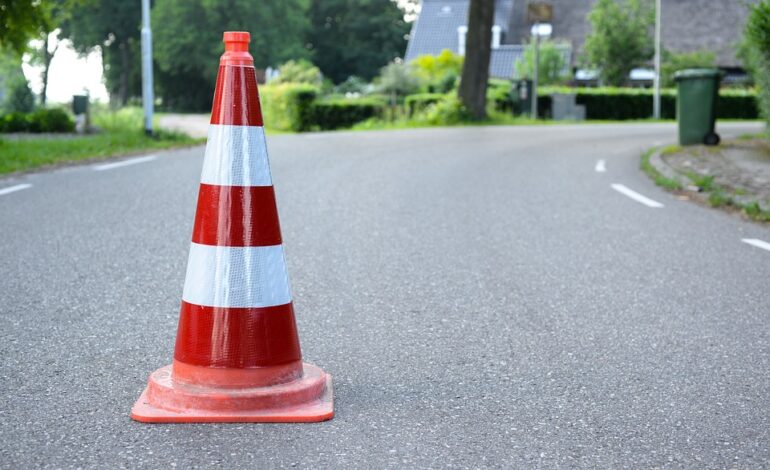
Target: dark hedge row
column 624, row 104
column 42, row 120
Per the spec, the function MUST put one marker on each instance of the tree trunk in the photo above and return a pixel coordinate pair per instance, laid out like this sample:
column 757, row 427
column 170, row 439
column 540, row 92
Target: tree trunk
column 473, row 83
column 47, row 58
column 124, row 68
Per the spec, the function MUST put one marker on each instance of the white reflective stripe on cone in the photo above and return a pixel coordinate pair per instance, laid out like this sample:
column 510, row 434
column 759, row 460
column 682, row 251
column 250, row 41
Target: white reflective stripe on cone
column 225, row 276
column 236, row 156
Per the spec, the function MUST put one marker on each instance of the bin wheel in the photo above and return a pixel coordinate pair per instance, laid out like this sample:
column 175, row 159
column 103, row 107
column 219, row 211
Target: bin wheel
column 712, row 138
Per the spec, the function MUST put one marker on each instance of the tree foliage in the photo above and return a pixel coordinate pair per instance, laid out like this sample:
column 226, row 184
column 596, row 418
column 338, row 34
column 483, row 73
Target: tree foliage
column 552, row 68
column 113, row 27
column 620, row 39
column 20, row 21
column 299, row 71
column 187, row 39
column 397, row 79
column 438, row 72
column 757, row 53
column 355, row 37
column 672, row 62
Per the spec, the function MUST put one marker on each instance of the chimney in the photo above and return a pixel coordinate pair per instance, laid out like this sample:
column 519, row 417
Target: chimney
column 496, row 30
column 461, row 32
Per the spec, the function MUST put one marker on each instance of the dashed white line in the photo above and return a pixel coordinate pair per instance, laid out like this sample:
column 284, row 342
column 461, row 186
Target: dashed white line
column 600, row 166
column 13, row 189
column 132, row 161
column 756, row 242
column 635, row 196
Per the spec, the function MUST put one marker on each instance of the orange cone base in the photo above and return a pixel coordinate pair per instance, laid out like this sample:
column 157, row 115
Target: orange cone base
column 305, row 400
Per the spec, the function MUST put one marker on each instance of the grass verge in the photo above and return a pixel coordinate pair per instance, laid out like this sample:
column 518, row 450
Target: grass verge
column 714, row 194
column 121, row 134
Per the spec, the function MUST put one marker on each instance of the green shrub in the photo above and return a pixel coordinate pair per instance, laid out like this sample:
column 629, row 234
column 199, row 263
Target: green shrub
column 449, row 110
column 418, row 102
column 15, row 122
column 50, row 120
column 499, row 95
column 288, row 106
column 336, row 114
column 20, row 98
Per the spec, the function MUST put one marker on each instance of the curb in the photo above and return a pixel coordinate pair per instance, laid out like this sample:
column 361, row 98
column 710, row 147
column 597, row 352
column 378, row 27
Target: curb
column 657, row 162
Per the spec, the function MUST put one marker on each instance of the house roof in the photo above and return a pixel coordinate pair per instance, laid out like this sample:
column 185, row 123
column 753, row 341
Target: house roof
column 435, row 29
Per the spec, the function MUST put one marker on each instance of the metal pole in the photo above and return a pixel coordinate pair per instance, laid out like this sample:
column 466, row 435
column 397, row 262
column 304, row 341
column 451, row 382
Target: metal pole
column 535, row 71
column 147, row 95
column 656, row 95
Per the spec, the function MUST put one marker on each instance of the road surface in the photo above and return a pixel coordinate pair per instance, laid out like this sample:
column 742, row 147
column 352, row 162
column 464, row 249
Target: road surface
column 514, row 297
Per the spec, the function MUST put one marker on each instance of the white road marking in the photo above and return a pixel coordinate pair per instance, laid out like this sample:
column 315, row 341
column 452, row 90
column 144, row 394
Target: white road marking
column 13, row 189
column 600, row 168
column 635, row 196
column 758, row 243
column 132, row 161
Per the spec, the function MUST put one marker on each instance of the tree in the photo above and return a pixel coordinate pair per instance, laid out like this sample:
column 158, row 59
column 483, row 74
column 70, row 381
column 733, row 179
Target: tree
column 355, row 37
column 57, row 12
column 113, row 27
column 756, row 51
column 439, row 72
column 396, row 79
column 620, row 38
column 688, row 60
column 552, row 70
column 20, row 21
column 187, row 40
column 473, row 83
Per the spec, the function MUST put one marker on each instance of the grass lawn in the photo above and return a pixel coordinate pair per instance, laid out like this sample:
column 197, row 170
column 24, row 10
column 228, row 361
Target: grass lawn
column 121, row 134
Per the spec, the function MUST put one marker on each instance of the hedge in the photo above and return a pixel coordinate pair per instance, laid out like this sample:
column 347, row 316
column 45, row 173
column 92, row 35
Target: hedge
column 42, row 120
column 343, row 113
column 636, row 103
column 418, row 102
column 288, row 106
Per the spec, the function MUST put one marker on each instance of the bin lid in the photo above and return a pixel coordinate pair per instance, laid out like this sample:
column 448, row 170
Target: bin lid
column 687, row 74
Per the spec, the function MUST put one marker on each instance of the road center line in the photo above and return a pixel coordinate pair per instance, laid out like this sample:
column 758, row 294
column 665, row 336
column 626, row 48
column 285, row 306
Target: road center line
column 756, row 242
column 635, row 196
column 13, row 189
column 600, row 168
column 131, row 161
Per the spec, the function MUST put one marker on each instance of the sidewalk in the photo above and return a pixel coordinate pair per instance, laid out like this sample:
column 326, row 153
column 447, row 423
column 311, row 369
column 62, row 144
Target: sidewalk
column 194, row 125
column 735, row 174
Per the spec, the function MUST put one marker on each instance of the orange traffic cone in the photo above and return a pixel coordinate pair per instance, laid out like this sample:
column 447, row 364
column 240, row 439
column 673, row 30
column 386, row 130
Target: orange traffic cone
column 237, row 356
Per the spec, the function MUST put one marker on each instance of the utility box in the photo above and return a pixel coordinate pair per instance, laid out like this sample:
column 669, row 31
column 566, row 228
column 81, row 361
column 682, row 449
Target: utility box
column 79, row 104
column 696, row 105
column 522, row 96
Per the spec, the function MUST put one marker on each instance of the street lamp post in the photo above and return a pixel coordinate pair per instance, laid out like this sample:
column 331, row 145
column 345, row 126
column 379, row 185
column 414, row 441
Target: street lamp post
column 656, row 95
column 147, row 94
column 535, row 70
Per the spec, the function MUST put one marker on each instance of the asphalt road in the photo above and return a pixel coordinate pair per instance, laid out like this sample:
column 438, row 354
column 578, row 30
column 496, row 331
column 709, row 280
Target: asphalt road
column 482, row 296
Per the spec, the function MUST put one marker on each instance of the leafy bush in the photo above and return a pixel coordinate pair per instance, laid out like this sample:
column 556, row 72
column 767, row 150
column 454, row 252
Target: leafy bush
column 352, row 84
column 50, row 120
column 439, row 72
column 757, row 53
column 397, row 79
column 15, row 122
column 42, row 120
column 553, row 68
column 288, row 106
column 299, row 71
column 338, row 114
column 20, row 98
column 418, row 102
column 449, row 110
column 499, row 94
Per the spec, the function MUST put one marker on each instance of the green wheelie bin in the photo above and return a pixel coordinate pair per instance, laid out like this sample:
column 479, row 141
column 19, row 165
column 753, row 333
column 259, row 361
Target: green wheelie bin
column 697, row 93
